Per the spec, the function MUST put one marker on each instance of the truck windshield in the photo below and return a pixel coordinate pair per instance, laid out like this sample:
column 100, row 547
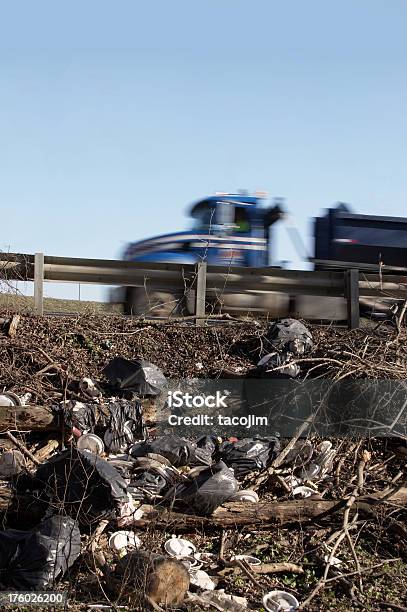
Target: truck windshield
column 241, row 220
column 204, row 218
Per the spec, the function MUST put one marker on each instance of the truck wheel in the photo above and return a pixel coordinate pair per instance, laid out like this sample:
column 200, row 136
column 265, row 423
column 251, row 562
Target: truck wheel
column 140, row 301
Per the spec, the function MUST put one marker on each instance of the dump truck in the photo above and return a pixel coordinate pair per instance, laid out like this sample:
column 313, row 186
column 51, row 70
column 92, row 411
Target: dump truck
column 344, row 238
column 237, row 230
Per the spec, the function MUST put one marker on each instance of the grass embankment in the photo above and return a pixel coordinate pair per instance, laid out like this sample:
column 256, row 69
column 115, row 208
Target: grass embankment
column 23, row 303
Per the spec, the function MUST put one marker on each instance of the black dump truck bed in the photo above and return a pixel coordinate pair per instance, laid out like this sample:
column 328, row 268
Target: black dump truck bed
column 341, row 237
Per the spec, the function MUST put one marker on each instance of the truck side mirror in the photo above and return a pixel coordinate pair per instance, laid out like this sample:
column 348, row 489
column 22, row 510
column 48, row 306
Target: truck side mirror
column 273, row 214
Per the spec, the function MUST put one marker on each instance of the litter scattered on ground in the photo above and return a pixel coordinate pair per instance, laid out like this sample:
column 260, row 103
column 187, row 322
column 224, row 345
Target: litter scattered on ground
column 290, row 336
column 290, row 339
column 92, row 443
column 89, row 389
column 206, row 557
column 103, row 488
column 178, row 547
column 279, row 601
column 220, row 600
column 303, row 491
column 248, row 455
column 334, row 561
column 278, row 365
column 10, row 399
column 245, row 495
column 199, row 578
column 85, row 485
column 176, row 450
column 207, row 491
column 121, row 540
column 247, row 559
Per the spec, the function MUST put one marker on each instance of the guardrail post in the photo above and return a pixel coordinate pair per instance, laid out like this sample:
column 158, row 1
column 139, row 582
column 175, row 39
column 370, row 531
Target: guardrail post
column 200, row 294
column 39, row 283
column 352, row 295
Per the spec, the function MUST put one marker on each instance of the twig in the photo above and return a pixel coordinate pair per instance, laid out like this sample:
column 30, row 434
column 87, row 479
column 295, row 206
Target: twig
column 154, row 605
column 263, row 476
column 98, row 556
column 222, row 544
column 389, row 606
column 400, row 318
column 363, row 570
column 131, row 333
column 38, row 348
column 96, row 535
column 366, row 456
column 275, row 568
column 344, row 533
column 245, row 570
column 22, row 448
column 221, row 317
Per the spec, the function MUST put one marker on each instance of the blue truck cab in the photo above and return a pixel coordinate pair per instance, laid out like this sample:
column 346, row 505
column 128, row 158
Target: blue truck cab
column 226, row 229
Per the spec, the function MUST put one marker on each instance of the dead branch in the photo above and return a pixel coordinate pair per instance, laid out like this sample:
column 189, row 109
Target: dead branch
column 22, row 448
column 263, row 514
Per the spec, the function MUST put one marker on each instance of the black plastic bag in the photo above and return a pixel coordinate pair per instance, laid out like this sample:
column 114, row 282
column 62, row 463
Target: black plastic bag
column 177, row 450
column 148, row 484
column 80, row 416
column 140, row 376
column 290, row 335
column 206, row 449
column 124, row 411
column 33, row 560
column 113, row 414
column 249, row 454
column 209, row 490
column 124, row 425
column 86, row 486
column 121, row 421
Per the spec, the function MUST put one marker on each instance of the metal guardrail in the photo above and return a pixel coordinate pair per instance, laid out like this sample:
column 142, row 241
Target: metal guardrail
column 203, row 278
column 334, row 264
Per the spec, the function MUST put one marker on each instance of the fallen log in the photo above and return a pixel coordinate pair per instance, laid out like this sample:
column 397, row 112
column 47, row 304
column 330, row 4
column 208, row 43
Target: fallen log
column 266, row 568
column 40, row 418
column 262, row 514
column 28, row 418
column 43, row 453
column 275, row 568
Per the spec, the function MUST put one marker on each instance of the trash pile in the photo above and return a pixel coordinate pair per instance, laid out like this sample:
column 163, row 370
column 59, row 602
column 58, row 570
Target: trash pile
column 92, row 493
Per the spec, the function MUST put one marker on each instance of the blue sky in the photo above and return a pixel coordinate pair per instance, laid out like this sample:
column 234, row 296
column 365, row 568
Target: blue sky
column 116, row 116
